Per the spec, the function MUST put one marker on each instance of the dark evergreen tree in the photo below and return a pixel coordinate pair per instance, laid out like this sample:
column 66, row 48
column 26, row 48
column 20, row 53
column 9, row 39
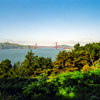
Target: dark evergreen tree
column 5, row 68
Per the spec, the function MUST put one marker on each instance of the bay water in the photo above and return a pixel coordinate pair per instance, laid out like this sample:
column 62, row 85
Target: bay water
column 16, row 55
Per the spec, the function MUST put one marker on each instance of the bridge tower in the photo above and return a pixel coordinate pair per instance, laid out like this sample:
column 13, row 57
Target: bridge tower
column 56, row 46
column 35, row 45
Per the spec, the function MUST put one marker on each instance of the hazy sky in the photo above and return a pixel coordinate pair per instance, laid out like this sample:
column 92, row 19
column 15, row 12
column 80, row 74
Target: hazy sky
column 49, row 21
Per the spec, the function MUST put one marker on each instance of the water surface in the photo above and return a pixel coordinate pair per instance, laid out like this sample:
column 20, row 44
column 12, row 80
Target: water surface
column 19, row 54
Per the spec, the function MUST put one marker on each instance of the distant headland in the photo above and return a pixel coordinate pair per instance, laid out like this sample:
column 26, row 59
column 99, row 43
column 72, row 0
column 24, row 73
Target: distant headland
column 7, row 45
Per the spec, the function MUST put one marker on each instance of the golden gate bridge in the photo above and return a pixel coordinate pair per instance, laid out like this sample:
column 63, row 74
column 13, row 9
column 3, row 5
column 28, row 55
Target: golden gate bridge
column 56, row 47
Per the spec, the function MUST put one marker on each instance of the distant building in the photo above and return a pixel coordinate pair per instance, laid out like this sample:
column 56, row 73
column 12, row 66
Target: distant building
column 66, row 49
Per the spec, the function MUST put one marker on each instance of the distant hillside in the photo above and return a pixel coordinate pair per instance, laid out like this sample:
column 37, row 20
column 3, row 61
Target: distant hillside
column 8, row 45
column 65, row 46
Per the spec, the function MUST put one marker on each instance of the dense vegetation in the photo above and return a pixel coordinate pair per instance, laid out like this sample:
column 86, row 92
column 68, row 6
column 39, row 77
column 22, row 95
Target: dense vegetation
column 74, row 75
column 8, row 45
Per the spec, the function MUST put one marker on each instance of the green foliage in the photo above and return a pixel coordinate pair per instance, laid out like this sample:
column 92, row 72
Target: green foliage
column 12, row 88
column 78, row 57
column 67, row 86
column 77, row 46
column 73, row 75
column 39, row 88
column 16, row 70
column 34, row 65
column 5, row 69
column 60, row 60
column 27, row 67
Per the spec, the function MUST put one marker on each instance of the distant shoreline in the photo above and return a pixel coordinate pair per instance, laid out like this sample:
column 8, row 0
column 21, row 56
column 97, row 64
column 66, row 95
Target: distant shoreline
column 8, row 45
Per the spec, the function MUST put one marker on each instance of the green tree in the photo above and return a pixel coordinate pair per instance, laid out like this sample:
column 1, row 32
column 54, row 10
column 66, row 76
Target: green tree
column 61, row 60
column 77, row 46
column 79, row 56
column 16, row 69
column 5, row 68
column 27, row 66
